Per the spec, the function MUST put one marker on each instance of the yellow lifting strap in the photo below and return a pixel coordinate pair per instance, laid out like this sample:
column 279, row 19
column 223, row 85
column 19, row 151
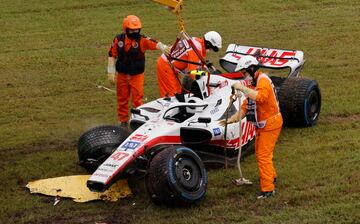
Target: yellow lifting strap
column 175, row 6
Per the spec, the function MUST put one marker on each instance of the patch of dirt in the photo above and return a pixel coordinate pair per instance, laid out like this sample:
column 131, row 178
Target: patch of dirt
column 39, row 147
column 340, row 118
column 121, row 212
column 8, row 154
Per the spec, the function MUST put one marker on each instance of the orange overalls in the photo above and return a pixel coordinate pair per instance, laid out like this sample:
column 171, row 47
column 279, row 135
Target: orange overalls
column 167, row 80
column 128, row 83
column 269, row 123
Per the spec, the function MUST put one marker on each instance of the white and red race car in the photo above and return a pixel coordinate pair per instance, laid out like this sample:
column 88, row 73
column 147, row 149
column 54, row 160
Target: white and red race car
column 172, row 138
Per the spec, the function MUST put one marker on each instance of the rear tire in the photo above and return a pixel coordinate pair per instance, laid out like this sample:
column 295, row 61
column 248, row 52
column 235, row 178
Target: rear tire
column 176, row 177
column 300, row 102
column 98, row 143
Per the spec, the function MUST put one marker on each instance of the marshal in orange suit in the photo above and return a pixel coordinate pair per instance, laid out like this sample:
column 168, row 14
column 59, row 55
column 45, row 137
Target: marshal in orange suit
column 182, row 54
column 262, row 109
column 126, row 64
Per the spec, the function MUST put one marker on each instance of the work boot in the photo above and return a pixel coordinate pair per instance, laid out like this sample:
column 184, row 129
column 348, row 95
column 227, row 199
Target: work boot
column 266, row 194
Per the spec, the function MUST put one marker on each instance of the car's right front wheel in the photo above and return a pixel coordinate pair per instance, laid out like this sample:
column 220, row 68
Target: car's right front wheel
column 176, row 176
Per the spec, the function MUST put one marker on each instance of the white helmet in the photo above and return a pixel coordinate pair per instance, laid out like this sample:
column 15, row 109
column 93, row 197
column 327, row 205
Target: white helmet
column 245, row 62
column 214, row 38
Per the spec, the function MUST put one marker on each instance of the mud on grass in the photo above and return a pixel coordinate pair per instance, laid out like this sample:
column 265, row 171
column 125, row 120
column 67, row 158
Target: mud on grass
column 19, row 166
column 48, row 99
column 301, row 195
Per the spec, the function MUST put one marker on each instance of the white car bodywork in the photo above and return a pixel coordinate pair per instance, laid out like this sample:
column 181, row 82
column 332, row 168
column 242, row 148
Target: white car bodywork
column 269, row 58
column 160, row 130
column 211, row 101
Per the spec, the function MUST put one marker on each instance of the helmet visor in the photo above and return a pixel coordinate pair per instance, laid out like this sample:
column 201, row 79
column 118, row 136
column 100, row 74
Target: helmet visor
column 216, row 49
column 209, row 45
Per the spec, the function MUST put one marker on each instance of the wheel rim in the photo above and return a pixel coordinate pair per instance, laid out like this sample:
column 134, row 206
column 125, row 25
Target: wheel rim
column 187, row 173
column 313, row 106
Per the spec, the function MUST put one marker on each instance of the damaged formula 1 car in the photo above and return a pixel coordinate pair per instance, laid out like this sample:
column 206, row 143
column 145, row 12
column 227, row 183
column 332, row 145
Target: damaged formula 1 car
column 173, row 138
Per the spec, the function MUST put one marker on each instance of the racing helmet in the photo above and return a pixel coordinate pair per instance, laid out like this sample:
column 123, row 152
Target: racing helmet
column 246, row 62
column 131, row 22
column 213, row 39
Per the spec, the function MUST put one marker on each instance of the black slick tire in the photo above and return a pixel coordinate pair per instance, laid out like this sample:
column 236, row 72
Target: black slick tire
column 176, row 177
column 97, row 144
column 300, row 102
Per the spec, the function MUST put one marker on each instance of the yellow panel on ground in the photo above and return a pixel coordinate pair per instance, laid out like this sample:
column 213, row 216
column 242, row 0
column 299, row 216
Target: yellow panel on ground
column 75, row 187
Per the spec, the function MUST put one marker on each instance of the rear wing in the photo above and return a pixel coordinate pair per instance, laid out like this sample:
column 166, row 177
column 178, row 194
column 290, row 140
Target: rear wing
column 268, row 58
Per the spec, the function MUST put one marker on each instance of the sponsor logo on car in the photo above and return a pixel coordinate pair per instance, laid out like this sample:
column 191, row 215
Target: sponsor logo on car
column 105, row 170
column 272, row 57
column 139, row 137
column 130, row 145
column 110, row 165
column 217, row 131
column 214, row 111
column 223, row 84
column 248, row 133
column 101, row 175
column 119, row 155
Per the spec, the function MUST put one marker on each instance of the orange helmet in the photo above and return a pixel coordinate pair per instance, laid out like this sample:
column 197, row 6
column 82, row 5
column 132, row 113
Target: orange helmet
column 131, row 22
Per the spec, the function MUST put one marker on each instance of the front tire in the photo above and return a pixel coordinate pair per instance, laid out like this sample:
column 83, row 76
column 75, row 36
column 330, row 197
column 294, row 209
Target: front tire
column 98, row 143
column 176, row 176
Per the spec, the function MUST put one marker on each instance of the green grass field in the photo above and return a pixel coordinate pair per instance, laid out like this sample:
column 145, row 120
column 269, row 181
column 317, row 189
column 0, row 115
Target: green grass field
column 54, row 53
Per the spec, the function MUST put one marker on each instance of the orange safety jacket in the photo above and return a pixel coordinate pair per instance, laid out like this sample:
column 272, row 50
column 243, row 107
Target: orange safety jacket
column 130, row 53
column 183, row 51
column 264, row 112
